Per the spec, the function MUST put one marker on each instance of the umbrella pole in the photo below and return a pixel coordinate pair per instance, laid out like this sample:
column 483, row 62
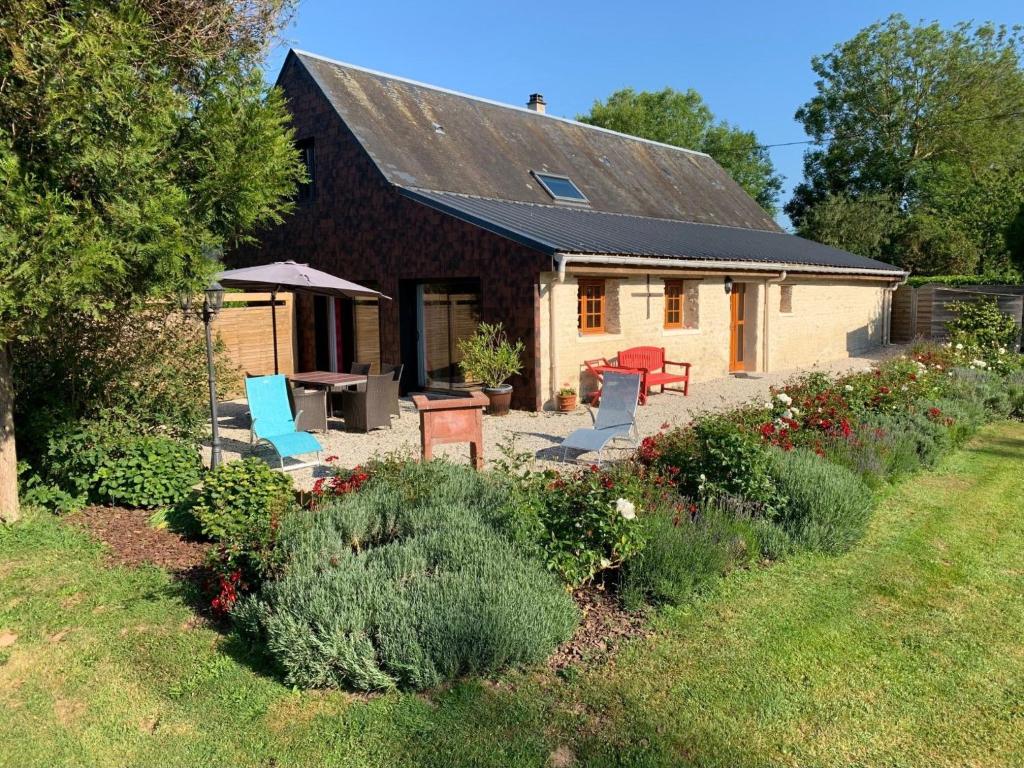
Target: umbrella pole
column 273, row 323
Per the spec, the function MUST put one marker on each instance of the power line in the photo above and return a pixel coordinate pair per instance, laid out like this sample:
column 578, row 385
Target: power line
column 833, row 137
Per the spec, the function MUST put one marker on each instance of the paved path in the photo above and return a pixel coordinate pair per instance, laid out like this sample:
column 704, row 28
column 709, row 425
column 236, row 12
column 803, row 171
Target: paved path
column 537, row 433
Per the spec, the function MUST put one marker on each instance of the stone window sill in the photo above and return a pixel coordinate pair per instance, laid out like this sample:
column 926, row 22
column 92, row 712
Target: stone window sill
column 597, row 336
column 680, row 331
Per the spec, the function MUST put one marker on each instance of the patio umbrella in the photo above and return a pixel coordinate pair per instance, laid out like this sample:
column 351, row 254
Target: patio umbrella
column 290, row 276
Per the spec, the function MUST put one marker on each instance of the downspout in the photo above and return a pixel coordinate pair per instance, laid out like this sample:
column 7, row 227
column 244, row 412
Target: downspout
column 764, row 343
column 553, row 326
column 887, row 309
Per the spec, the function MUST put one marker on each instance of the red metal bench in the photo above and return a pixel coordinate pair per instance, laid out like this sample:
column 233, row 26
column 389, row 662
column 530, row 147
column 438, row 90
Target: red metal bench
column 651, row 360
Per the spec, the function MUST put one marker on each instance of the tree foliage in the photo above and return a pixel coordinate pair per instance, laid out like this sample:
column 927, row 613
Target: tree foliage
column 684, row 120
column 134, row 135
column 919, row 133
column 126, row 146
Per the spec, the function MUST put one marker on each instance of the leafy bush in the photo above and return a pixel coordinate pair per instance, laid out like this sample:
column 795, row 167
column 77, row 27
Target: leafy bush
column 987, row 389
column 75, row 452
column 874, row 454
column 980, row 323
column 148, row 472
column 103, row 461
column 589, row 522
column 827, row 506
column 142, row 368
column 711, row 458
column 241, row 506
column 407, row 583
column 685, row 551
column 489, row 356
column 1015, row 394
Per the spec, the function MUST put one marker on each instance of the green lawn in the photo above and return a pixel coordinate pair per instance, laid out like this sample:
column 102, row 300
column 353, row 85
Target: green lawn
column 908, row 651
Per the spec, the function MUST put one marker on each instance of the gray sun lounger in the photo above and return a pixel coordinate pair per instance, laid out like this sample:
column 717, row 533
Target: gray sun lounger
column 616, row 415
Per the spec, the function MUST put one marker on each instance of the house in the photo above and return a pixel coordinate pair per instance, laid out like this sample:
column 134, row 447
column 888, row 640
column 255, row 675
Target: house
column 581, row 240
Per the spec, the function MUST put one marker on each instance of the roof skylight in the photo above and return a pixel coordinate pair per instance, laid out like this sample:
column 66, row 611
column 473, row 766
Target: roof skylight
column 561, row 188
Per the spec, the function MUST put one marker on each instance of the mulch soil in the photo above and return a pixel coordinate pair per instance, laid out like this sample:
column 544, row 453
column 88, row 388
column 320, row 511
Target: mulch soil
column 132, row 541
column 605, row 625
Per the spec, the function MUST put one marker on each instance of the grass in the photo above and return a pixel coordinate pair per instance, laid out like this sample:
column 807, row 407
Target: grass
column 907, row 651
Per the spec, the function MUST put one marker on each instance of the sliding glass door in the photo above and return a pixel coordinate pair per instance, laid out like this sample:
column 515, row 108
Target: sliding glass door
column 446, row 312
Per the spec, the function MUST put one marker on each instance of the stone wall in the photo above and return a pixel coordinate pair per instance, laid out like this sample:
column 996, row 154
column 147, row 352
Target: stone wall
column 831, row 319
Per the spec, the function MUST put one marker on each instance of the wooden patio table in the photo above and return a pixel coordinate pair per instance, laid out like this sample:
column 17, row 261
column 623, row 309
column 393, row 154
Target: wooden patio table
column 326, row 379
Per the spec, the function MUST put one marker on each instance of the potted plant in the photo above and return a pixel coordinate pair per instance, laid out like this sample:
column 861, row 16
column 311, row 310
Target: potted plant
column 566, row 399
column 490, row 358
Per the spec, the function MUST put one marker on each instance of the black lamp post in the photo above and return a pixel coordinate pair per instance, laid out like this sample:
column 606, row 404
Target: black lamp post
column 213, row 300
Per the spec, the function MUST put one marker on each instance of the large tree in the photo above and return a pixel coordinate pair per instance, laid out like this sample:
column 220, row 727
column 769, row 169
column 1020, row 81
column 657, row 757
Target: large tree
column 927, row 123
column 683, row 119
column 134, row 135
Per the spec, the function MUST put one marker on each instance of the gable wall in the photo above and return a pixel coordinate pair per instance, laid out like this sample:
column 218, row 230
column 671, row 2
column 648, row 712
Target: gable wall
column 359, row 228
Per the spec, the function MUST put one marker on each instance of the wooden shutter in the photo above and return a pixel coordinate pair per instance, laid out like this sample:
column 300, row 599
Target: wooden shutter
column 366, row 313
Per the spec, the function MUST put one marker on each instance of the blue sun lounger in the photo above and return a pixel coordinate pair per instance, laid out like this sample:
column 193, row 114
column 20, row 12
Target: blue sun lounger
column 616, row 415
column 272, row 420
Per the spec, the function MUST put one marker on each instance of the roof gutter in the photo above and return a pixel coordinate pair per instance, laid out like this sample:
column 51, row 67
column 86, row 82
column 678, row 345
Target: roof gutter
column 562, row 260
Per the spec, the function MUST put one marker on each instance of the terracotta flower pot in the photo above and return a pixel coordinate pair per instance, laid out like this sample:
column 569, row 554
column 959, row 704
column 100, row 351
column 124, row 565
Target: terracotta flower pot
column 567, row 403
column 500, row 399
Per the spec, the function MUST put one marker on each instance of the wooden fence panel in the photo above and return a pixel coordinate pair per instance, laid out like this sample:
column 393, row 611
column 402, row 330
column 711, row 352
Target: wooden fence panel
column 244, row 327
column 903, row 319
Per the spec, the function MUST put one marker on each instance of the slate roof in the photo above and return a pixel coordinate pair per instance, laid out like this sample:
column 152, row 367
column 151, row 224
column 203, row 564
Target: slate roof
column 488, row 149
column 557, row 229
column 472, row 158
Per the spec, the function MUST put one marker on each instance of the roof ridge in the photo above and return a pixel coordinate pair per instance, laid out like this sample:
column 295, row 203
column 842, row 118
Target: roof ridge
column 584, row 209
column 299, row 52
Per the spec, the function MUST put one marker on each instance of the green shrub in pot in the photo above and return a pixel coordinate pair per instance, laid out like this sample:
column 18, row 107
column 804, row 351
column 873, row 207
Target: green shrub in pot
column 490, row 358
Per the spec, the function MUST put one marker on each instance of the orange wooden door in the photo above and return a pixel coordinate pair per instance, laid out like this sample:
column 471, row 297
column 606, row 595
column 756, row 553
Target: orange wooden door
column 737, row 303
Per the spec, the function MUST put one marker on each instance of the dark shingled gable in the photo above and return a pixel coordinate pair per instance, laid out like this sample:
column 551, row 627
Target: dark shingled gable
column 556, row 229
column 472, row 158
column 427, row 137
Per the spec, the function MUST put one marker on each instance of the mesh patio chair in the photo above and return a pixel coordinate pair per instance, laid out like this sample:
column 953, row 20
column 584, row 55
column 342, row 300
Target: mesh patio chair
column 616, row 415
column 273, row 422
column 369, row 408
column 309, row 407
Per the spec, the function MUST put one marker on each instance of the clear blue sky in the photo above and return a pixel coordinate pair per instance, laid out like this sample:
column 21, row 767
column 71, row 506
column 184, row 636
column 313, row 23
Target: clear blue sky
column 750, row 61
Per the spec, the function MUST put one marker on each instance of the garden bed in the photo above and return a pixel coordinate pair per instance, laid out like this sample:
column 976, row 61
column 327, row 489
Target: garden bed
column 604, row 626
column 132, row 540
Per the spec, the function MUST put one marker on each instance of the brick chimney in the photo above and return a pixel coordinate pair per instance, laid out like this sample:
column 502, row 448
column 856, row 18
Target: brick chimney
column 537, row 103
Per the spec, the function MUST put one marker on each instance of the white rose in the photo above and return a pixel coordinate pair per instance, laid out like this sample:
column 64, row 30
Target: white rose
column 768, row 406
column 787, row 414
column 783, row 398
column 959, row 346
column 848, row 388
column 626, row 509
column 796, row 411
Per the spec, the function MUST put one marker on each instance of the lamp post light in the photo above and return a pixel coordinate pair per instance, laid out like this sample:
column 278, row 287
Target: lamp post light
column 213, row 300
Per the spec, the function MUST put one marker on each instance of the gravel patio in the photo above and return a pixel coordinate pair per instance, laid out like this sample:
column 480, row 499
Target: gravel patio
column 537, row 433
